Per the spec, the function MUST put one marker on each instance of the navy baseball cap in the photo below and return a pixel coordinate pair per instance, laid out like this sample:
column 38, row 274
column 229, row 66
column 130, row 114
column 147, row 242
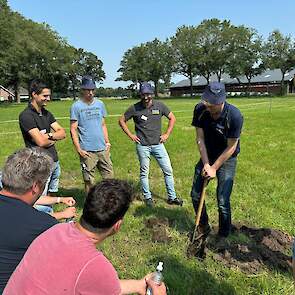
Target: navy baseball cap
column 214, row 93
column 146, row 88
column 88, row 83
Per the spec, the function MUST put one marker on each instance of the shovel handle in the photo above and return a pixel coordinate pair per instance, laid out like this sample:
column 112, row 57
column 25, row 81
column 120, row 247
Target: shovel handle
column 201, row 203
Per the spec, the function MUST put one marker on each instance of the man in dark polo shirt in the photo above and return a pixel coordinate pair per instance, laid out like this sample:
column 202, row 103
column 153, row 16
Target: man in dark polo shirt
column 218, row 128
column 39, row 128
column 150, row 141
column 23, row 177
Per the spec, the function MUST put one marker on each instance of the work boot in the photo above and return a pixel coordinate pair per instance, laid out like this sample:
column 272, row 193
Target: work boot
column 176, row 201
column 149, row 202
column 221, row 244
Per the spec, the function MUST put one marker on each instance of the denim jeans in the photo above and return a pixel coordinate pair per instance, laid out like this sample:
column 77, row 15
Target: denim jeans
column 159, row 152
column 53, row 180
column 50, row 187
column 225, row 179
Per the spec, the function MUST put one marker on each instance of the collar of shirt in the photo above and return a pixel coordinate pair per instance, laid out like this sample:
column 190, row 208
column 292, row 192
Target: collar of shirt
column 32, row 108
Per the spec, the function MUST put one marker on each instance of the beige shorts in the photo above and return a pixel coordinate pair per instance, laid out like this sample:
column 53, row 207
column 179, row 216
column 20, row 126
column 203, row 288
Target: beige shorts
column 100, row 160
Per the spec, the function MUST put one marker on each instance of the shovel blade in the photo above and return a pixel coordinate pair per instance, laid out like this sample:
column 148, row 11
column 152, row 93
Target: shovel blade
column 197, row 249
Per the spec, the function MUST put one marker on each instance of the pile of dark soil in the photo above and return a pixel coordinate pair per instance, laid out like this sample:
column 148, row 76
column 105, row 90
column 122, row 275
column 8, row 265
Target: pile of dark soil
column 159, row 229
column 253, row 249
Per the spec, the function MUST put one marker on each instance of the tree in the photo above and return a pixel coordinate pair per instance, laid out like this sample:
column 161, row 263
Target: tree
column 29, row 49
column 82, row 63
column 131, row 65
column 246, row 47
column 158, row 63
column 215, row 39
column 151, row 61
column 187, row 52
column 279, row 53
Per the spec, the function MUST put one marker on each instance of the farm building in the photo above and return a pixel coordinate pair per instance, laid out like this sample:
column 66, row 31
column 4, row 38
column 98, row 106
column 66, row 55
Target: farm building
column 5, row 94
column 266, row 83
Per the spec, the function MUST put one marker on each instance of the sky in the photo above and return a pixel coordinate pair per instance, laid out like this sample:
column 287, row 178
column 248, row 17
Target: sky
column 109, row 28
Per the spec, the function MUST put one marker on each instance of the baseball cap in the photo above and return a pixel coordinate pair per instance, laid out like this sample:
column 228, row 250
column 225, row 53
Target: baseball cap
column 214, row 93
column 88, row 83
column 146, row 88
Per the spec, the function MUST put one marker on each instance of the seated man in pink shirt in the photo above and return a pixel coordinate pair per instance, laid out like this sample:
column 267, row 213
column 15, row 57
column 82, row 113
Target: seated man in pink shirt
column 64, row 259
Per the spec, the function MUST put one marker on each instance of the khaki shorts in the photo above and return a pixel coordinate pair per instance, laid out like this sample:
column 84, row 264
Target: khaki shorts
column 100, row 160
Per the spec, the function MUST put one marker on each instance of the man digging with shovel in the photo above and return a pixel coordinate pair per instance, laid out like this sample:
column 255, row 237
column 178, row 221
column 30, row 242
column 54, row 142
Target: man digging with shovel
column 218, row 128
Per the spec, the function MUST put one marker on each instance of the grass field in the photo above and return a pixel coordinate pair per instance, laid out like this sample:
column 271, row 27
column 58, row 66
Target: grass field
column 263, row 194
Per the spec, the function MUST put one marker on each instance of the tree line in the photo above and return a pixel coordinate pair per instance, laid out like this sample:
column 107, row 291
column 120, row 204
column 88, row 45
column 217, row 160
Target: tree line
column 212, row 47
column 29, row 49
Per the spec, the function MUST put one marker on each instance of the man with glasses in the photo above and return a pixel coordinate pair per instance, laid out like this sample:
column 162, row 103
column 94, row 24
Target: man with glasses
column 90, row 135
column 150, row 141
column 218, row 128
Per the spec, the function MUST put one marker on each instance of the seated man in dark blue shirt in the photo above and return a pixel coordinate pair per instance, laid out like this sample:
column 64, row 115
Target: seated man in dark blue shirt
column 218, row 127
column 23, row 178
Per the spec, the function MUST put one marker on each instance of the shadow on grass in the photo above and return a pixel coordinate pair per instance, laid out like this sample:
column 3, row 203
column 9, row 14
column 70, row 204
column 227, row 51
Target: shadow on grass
column 77, row 194
column 183, row 279
column 178, row 218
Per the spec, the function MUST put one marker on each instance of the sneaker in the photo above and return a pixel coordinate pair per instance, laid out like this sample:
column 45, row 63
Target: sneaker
column 149, row 202
column 177, row 201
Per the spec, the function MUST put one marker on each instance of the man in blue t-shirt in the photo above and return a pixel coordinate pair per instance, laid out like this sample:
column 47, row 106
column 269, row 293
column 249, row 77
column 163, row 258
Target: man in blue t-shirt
column 90, row 135
column 218, row 127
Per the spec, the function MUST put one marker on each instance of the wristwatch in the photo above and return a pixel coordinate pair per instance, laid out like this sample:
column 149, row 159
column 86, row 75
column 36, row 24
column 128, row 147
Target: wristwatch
column 50, row 136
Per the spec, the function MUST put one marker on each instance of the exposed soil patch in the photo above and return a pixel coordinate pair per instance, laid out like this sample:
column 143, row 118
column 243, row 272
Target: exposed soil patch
column 158, row 228
column 253, row 249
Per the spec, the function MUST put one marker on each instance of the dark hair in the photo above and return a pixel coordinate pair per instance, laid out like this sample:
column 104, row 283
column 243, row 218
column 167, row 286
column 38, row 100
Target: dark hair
column 37, row 86
column 106, row 203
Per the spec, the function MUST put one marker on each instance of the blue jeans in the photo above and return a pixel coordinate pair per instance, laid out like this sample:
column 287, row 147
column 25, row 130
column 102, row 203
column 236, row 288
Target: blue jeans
column 225, row 179
column 50, row 187
column 53, row 180
column 159, row 152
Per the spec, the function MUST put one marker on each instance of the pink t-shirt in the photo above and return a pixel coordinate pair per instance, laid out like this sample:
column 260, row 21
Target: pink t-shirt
column 62, row 260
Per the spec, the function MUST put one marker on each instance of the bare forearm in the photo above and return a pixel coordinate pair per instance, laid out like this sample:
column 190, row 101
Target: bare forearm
column 105, row 133
column 47, row 200
column 170, row 125
column 203, row 151
column 43, row 141
column 59, row 134
column 75, row 139
column 124, row 127
column 223, row 157
column 131, row 286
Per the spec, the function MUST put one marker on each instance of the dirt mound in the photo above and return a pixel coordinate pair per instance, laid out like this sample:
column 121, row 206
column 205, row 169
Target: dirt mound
column 253, row 249
column 158, row 227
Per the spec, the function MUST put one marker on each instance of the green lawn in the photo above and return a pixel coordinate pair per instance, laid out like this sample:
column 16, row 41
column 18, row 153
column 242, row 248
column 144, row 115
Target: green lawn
column 263, row 194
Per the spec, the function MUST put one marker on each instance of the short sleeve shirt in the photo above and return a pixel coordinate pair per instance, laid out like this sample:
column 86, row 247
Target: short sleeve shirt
column 217, row 132
column 89, row 118
column 148, row 123
column 30, row 119
column 64, row 261
column 20, row 225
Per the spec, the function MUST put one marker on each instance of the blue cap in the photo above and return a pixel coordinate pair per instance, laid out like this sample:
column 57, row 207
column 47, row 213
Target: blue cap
column 146, row 88
column 88, row 83
column 214, row 93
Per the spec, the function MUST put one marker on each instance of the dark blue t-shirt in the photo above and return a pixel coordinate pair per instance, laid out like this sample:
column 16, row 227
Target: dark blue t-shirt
column 20, row 224
column 216, row 132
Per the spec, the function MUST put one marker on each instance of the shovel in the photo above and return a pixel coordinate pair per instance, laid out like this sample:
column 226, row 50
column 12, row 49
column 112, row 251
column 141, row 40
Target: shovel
column 198, row 242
